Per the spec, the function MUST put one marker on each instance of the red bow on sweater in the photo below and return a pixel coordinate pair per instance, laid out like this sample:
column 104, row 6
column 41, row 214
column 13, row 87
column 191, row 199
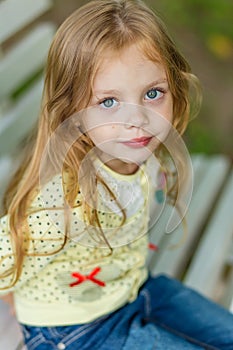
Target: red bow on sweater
column 81, row 278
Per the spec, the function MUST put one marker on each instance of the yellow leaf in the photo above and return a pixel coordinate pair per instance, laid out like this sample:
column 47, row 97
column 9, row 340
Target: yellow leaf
column 220, row 45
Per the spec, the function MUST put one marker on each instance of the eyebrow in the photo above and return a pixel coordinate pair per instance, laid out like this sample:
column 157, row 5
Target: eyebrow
column 114, row 92
column 156, row 82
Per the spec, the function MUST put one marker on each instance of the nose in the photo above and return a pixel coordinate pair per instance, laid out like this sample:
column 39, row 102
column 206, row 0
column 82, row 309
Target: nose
column 136, row 117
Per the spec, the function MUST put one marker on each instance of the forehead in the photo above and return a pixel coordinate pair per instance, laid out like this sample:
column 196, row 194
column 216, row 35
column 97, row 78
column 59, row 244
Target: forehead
column 129, row 62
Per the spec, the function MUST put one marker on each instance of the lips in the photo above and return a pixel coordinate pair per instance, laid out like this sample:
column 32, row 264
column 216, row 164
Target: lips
column 138, row 142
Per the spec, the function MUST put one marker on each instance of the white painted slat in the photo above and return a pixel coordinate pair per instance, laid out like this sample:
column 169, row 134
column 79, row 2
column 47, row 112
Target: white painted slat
column 25, row 59
column 170, row 261
column 157, row 232
column 16, row 124
column 200, row 167
column 213, row 248
column 231, row 306
column 10, row 334
column 15, row 14
column 6, row 165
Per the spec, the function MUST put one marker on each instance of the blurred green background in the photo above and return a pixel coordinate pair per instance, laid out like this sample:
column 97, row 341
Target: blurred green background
column 203, row 30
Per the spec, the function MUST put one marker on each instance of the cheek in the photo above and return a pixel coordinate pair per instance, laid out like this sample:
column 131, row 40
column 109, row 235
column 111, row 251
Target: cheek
column 104, row 133
column 169, row 108
column 166, row 108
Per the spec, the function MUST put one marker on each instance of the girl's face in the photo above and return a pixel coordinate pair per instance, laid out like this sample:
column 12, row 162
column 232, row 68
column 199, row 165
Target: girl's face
column 130, row 111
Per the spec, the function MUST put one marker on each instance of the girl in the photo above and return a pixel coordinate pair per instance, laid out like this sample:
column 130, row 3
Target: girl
column 73, row 240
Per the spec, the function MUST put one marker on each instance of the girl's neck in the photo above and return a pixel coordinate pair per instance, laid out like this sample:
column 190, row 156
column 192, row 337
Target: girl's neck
column 122, row 167
column 118, row 165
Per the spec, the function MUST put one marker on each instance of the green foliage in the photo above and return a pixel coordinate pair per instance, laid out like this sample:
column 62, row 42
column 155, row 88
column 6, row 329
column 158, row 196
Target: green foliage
column 204, row 30
column 199, row 138
column 211, row 20
column 205, row 16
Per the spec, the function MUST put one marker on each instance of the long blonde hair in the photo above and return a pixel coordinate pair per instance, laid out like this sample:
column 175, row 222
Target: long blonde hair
column 73, row 61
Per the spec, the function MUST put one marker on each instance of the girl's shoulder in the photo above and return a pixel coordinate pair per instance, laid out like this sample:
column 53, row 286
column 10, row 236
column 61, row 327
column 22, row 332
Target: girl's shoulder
column 154, row 171
column 49, row 194
column 4, row 225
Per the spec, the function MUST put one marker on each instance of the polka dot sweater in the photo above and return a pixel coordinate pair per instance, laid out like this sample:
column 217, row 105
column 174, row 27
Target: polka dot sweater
column 82, row 281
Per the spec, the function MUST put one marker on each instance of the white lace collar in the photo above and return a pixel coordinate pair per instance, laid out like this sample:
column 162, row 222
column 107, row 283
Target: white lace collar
column 130, row 191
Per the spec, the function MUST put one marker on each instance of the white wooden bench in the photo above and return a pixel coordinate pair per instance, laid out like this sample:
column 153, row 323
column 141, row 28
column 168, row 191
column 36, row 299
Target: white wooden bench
column 24, row 43
column 204, row 260
column 22, row 57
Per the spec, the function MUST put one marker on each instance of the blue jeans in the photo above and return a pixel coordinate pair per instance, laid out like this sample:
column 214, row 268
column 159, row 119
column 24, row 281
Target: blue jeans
column 166, row 316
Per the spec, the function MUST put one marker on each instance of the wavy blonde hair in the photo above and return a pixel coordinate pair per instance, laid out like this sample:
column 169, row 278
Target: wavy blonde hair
column 73, row 61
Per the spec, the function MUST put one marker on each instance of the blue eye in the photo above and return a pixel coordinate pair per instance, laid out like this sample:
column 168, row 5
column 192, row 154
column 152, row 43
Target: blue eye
column 153, row 94
column 108, row 103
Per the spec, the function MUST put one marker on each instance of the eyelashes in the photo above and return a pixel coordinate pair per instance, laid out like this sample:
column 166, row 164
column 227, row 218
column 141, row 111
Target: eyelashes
column 108, row 102
column 153, row 94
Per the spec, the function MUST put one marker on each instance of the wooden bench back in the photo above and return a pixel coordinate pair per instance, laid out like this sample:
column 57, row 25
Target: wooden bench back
column 24, row 43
